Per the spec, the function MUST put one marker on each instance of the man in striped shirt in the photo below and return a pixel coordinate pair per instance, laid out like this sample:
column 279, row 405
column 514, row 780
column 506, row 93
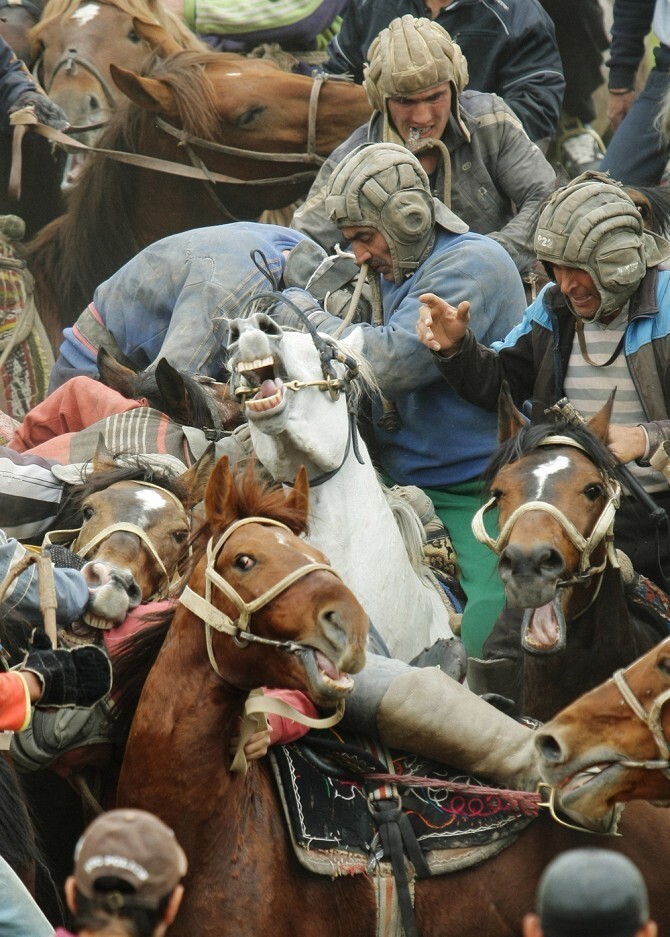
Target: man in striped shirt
column 603, row 323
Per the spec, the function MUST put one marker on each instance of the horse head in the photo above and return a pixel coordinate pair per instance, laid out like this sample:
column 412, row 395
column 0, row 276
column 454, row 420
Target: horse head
column 271, row 592
column 555, row 497
column 137, row 520
column 612, row 744
column 290, row 385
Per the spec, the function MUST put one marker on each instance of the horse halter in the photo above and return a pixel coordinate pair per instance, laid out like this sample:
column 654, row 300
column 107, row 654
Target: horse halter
column 83, row 549
column 603, row 529
column 69, row 63
column 652, row 719
column 215, row 619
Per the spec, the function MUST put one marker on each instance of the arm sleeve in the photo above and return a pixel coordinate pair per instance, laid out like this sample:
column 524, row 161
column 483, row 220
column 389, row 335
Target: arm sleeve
column 14, row 81
column 20, row 915
column 630, row 25
column 286, row 730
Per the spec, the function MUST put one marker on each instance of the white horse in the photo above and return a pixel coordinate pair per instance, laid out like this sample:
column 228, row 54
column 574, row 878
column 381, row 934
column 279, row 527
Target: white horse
column 294, row 420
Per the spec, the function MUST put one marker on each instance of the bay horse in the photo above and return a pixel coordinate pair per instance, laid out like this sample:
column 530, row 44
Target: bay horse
column 555, row 491
column 611, row 745
column 299, row 414
column 75, row 43
column 243, row 875
column 259, row 132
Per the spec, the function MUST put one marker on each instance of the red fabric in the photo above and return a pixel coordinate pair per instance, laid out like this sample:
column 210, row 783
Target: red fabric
column 141, row 617
column 47, row 428
column 286, row 730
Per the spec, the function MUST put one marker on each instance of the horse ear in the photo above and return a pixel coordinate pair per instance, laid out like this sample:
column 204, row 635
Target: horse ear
column 193, row 482
column 220, row 495
column 298, row 499
column 148, row 93
column 116, row 375
column 103, row 460
column 600, row 423
column 510, row 420
column 156, row 37
column 173, row 391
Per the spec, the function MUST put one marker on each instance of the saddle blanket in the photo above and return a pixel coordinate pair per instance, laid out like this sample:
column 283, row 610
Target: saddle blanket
column 327, row 803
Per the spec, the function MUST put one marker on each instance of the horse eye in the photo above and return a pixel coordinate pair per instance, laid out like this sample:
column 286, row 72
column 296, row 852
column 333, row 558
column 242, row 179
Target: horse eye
column 132, row 35
column 249, row 116
column 87, row 512
column 664, row 666
column 593, row 492
column 180, row 536
column 497, row 493
column 244, row 562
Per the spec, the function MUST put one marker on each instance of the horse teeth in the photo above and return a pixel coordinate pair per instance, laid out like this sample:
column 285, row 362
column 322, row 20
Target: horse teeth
column 260, row 404
column 255, row 364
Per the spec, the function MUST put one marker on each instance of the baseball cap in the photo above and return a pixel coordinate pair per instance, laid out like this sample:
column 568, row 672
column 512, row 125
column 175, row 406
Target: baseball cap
column 135, row 847
column 592, row 893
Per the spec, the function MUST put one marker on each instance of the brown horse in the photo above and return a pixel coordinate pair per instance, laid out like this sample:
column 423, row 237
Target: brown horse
column 259, row 131
column 556, row 495
column 612, row 744
column 243, row 875
column 75, row 43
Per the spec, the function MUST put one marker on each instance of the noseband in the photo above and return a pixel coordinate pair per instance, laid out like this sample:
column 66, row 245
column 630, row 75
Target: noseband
column 215, row 619
column 603, row 529
column 652, row 720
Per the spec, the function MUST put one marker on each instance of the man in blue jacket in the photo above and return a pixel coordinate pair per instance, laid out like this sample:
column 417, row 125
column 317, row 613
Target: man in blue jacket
column 380, row 198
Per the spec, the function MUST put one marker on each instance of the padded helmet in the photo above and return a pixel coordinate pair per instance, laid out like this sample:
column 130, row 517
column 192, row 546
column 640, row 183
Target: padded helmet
column 383, row 186
column 593, row 224
column 410, row 56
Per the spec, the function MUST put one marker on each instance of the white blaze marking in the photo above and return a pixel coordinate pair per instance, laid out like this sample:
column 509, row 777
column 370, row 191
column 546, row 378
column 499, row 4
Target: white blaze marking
column 148, row 501
column 86, row 13
column 234, row 74
column 542, row 472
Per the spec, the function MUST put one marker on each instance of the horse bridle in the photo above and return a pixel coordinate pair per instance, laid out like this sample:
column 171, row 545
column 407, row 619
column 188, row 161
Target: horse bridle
column 603, row 529
column 215, row 619
column 73, row 537
column 652, row 720
column 69, row 63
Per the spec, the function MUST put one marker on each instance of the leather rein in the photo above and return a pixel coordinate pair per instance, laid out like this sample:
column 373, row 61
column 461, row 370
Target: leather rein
column 187, row 142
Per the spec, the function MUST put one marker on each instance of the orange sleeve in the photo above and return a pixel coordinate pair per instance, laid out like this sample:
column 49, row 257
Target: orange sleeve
column 15, row 707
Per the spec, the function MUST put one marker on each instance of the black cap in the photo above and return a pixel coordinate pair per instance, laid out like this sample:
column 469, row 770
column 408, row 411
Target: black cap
column 592, row 893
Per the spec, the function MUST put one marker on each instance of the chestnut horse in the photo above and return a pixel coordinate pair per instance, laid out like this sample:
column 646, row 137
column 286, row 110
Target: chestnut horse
column 75, row 43
column 260, row 134
column 556, row 494
column 243, row 875
column 612, row 744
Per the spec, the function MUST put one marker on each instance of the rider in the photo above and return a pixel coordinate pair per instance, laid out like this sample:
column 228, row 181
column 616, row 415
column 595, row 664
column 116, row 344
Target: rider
column 19, row 90
column 380, row 197
column 486, row 169
column 603, row 323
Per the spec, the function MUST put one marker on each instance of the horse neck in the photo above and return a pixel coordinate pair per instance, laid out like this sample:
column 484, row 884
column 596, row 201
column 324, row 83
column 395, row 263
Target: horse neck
column 598, row 642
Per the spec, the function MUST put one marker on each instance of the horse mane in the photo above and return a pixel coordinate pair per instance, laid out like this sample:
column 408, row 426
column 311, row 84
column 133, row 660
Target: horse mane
column 147, row 10
column 529, row 439
column 84, row 247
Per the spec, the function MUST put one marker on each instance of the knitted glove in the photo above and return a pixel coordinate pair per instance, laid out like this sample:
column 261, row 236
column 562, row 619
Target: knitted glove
column 80, row 676
column 46, row 110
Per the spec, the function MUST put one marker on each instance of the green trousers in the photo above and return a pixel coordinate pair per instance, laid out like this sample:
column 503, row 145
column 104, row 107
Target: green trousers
column 456, row 506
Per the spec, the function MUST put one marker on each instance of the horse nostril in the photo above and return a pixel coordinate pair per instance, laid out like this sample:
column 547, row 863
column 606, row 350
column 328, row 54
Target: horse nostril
column 541, row 560
column 549, row 747
column 550, row 562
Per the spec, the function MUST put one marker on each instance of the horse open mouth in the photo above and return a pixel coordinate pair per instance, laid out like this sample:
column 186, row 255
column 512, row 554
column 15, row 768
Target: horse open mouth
column 326, row 681
column 543, row 629
column 262, row 388
column 590, row 782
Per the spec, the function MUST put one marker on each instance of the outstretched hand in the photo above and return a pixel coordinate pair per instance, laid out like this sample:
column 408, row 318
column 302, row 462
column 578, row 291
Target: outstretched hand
column 441, row 326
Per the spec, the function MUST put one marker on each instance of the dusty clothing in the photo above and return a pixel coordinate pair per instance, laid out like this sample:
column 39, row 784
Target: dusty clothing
column 510, row 48
column 499, row 180
column 14, row 81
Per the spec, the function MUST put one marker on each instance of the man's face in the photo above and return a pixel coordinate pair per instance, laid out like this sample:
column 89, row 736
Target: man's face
column 370, row 247
column 426, row 113
column 580, row 289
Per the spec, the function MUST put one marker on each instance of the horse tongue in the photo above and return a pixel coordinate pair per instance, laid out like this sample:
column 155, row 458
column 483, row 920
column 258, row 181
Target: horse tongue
column 327, row 666
column 542, row 627
column 269, row 388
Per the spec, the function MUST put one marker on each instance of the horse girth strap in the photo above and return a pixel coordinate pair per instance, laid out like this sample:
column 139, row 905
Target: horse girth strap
column 602, row 530
column 21, row 119
column 652, row 720
column 256, row 708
